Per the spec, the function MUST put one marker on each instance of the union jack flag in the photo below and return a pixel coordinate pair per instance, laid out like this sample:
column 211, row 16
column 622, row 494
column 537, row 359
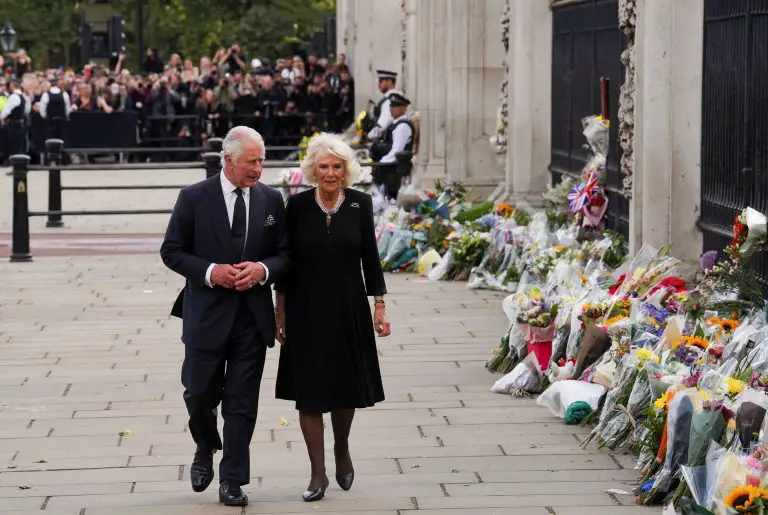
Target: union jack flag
column 581, row 194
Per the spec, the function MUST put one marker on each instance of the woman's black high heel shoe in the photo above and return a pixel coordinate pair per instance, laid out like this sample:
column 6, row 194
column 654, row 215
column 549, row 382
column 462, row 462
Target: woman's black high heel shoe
column 345, row 480
column 317, row 494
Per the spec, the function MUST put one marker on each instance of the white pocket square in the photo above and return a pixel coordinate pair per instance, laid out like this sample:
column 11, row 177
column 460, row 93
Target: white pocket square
column 270, row 221
column 354, row 204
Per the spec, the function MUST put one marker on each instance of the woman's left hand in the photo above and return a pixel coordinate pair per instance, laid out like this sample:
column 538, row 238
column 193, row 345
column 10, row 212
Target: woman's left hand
column 381, row 323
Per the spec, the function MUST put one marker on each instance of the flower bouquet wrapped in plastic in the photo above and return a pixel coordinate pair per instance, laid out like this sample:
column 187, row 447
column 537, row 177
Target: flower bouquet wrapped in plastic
column 755, row 231
column 290, row 177
column 626, row 402
column 736, row 482
column 596, row 131
column 707, row 425
column 525, row 379
column 587, row 197
column 401, row 240
column 513, row 346
column 676, row 446
column 560, row 341
column 645, row 272
column 487, row 274
column 539, row 331
column 750, row 409
column 467, row 252
column 595, row 342
column 440, row 271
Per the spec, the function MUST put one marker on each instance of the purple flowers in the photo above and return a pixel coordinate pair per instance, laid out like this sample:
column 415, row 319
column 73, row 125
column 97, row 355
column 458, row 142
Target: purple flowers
column 686, row 354
column 660, row 315
column 708, row 260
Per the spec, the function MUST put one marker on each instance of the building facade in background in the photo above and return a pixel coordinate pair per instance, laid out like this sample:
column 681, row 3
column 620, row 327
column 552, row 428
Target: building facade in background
column 686, row 100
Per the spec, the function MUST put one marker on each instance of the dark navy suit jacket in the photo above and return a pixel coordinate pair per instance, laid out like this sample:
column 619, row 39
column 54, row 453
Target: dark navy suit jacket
column 199, row 234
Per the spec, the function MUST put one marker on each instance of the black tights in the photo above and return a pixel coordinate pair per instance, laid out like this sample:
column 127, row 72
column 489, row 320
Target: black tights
column 313, row 430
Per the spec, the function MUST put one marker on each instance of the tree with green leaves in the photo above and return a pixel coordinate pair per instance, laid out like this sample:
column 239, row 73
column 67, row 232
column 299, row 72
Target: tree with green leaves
column 196, row 28
column 46, row 29
column 192, row 28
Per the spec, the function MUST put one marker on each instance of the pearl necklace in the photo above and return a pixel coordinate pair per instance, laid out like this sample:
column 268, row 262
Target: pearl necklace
column 333, row 210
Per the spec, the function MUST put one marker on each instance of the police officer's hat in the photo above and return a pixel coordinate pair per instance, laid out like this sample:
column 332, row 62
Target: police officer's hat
column 398, row 99
column 15, row 80
column 384, row 74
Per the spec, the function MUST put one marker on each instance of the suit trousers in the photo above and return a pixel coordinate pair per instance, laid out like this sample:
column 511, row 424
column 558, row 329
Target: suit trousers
column 230, row 375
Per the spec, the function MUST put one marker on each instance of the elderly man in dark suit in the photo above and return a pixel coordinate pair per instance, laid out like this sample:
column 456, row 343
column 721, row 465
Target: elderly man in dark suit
column 226, row 237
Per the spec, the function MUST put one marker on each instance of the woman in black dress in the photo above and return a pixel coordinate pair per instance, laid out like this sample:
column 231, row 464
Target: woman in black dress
column 328, row 360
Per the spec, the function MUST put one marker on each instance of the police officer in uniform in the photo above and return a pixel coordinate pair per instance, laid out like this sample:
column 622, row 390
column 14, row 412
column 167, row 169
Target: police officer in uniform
column 54, row 109
column 14, row 116
column 381, row 116
column 397, row 137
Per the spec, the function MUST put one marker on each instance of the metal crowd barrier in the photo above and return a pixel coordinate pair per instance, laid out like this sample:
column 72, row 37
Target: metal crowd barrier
column 20, row 246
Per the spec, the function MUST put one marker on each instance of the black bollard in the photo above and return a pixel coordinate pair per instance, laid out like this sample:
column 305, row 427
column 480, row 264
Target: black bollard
column 212, row 163
column 20, row 238
column 215, row 145
column 53, row 148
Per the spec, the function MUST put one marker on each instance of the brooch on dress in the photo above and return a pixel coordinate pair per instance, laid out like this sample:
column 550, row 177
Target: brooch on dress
column 354, row 204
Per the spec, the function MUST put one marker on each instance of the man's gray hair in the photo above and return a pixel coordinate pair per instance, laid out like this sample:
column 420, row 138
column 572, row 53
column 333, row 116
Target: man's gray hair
column 233, row 142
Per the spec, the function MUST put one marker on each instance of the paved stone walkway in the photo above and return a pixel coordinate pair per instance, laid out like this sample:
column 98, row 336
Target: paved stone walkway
column 92, row 421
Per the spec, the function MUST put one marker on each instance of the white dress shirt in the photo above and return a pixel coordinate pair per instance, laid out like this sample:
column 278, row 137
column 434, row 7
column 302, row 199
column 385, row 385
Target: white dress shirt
column 400, row 137
column 228, row 190
column 14, row 100
column 385, row 117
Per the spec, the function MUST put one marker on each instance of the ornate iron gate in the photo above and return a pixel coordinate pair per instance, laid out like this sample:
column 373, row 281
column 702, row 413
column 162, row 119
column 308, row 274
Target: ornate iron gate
column 586, row 45
column 734, row 134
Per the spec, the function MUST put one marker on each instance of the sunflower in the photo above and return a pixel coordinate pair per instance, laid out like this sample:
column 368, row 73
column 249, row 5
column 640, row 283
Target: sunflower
column 725, row 324
column 742, row 497
column 696, row 341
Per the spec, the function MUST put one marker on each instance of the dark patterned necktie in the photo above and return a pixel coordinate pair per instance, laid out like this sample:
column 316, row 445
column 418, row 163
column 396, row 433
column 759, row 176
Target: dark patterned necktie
column 238, row 219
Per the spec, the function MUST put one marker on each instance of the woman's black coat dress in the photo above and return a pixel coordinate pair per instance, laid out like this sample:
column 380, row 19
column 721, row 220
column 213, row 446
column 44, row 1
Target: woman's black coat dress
column 329, row 360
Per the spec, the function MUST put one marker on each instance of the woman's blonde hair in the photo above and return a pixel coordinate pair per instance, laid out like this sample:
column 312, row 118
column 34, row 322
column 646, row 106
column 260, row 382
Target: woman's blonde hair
column 327, row 143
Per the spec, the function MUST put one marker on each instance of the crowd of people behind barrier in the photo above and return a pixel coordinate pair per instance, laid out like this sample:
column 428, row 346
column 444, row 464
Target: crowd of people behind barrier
column 180, row 103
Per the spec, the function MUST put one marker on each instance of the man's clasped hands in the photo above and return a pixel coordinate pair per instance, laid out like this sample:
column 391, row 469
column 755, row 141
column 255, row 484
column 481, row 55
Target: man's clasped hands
column 241, row 276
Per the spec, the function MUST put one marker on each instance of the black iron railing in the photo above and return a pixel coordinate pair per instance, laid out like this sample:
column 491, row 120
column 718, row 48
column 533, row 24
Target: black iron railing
column 586, row 45
column 734, row 133
column 211, row 164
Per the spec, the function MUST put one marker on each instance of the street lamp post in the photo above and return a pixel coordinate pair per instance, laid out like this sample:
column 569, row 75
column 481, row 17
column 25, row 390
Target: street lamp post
column 8, row 38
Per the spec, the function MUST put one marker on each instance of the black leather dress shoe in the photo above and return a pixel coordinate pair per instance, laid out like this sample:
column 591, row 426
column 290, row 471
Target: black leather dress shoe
column 201, row 472
column 232, row 495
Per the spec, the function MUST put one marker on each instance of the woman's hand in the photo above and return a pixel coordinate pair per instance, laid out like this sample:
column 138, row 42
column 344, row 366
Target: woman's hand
column 280, row 317
column 280, row 325
column 380, row 321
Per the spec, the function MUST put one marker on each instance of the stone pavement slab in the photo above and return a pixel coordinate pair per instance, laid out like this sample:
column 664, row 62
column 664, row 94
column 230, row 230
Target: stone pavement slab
column 92, row 420
column 92, row 417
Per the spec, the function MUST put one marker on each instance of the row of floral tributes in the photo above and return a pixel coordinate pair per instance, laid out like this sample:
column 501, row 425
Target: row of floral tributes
column 676, row 370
